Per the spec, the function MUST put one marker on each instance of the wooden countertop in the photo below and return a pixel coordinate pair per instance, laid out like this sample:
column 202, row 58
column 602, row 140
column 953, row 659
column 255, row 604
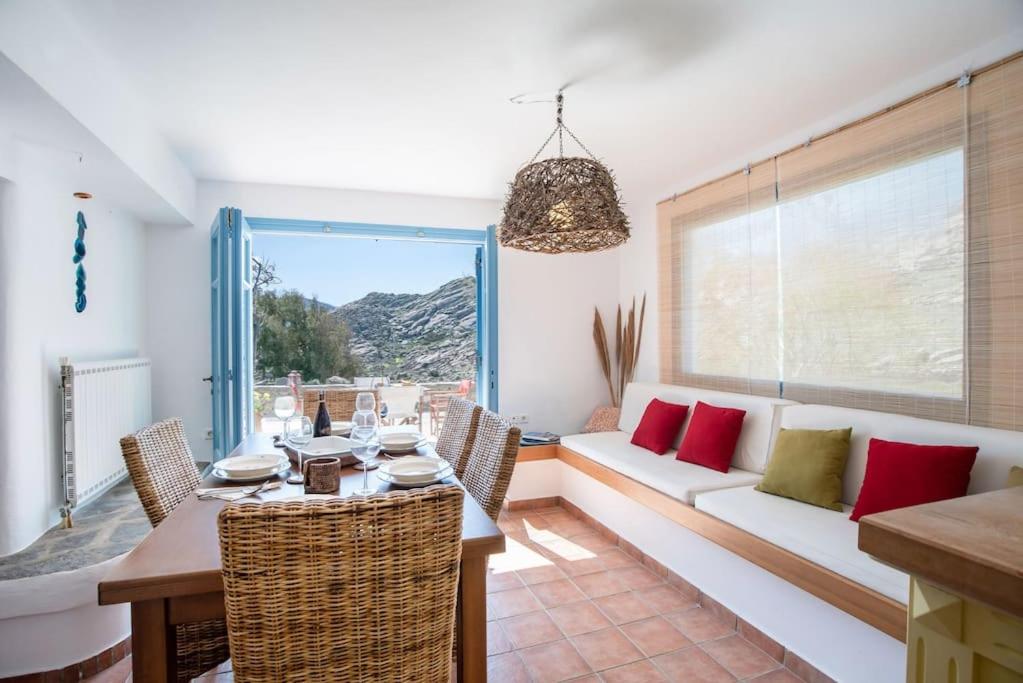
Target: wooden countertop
column 971, row 546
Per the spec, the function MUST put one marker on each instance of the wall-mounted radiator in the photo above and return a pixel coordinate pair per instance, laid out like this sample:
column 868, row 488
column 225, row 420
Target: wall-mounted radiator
column 102, row 401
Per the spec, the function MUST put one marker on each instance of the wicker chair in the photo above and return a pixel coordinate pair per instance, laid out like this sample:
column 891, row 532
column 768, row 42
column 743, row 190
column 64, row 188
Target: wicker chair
column 344, row 589
column 491, row 461
column 162, row 469
column 458, row 433
column 340, row 402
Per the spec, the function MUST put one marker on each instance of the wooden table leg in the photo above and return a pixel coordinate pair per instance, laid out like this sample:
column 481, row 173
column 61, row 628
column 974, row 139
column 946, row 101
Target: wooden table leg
column 472, row 621
column 153, row 647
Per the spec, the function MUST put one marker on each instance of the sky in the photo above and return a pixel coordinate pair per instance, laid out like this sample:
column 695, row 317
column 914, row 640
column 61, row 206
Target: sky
column 338, row 270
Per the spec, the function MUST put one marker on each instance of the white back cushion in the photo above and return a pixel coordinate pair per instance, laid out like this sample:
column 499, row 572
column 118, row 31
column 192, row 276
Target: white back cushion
column 758, row 427
column 998, row 448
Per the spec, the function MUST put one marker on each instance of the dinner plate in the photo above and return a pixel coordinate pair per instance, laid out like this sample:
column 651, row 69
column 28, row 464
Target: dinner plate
column 416, row 469
column 227, row 476
column 252, row 464
column 400, row 441
column 434, row 479
column 326, row 445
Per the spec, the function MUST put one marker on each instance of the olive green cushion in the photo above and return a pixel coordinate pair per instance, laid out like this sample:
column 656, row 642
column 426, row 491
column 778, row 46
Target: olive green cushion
column 1015, row 476
column 807, row 465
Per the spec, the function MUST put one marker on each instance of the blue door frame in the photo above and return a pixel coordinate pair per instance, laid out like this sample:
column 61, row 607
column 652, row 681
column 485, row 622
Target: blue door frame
column 486, row 269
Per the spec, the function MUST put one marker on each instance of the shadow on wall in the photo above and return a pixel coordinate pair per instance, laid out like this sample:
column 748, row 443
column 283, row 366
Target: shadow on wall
column 6, row 221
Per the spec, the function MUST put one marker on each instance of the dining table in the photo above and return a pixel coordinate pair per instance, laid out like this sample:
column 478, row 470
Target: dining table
column 174, row 575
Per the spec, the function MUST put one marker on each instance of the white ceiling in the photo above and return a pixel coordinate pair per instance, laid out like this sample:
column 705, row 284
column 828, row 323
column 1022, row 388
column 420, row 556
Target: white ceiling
column 412, row 96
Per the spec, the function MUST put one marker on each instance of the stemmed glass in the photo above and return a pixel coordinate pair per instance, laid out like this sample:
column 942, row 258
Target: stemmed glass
column 365, row 446
column 299, row 433
column 365, row 402
column 284, row 409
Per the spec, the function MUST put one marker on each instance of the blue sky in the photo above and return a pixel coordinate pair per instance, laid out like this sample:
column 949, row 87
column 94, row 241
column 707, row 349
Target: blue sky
column 339, row 269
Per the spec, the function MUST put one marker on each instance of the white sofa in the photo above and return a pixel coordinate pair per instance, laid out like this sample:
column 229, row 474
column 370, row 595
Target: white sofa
column 830, row 639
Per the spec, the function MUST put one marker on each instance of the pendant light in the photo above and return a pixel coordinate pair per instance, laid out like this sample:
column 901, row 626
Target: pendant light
column 563, row 204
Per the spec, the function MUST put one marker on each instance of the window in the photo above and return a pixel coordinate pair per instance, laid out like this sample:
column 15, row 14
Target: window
column 877, row 267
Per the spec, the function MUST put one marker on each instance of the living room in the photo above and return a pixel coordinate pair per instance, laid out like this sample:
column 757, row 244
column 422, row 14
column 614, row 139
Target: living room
column 753, row 265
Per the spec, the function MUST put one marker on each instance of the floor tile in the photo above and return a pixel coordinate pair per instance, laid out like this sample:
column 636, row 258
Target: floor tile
column 540, row 574
column 636, row 577
column 511, row 603
column 664, row 599
column 497, row 641
column 740, row 657
column 622, row 608
column 555, row 593
column 571, row 528
column 118, row 673
column 613, row 558
column 606, row 649
column 580, row 566
column 530, row 629
column 599, row 584
column 506, row 668
column 502, row 581
column 692, row 665
column 637, row 672
column 777, row 676
column 579, row 617
column 698, row 624
column 655, row 636
column 593, row 542
column 557, row 661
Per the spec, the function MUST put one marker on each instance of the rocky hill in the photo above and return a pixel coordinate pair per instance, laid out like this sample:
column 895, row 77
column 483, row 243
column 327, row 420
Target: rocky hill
column 417, row 337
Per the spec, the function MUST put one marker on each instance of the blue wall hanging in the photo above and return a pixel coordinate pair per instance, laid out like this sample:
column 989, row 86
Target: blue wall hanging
column 80, row 270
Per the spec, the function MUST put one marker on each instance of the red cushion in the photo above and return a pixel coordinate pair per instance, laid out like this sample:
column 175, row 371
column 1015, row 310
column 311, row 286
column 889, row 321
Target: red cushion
column 902, row 474
column 660, row 426
column 711, row 437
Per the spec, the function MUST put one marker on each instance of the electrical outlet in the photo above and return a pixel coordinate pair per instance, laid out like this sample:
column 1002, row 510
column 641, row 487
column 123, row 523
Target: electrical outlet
column 519, row 419
column 209, row 434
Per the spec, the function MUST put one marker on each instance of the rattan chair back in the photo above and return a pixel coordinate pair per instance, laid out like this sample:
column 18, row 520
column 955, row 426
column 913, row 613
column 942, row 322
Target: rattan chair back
column 161, row 467
column 343, row 589
column 458, row 433
column 491, row 461
column 340, row 402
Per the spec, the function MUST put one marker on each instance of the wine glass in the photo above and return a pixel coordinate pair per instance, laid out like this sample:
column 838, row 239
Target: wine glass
column 284, row 408
column 300, row 433
column 365, row 402
column 365, row 446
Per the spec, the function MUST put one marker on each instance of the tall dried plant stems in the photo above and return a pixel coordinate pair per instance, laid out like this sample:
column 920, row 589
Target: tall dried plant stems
column 600, row 340
column 626, row 352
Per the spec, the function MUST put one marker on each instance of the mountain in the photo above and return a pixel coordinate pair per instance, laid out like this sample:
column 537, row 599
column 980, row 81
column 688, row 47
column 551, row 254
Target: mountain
column 417, row 337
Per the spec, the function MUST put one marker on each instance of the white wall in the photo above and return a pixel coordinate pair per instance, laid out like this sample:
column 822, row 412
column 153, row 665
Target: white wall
column 39, row 323
column 548, row 368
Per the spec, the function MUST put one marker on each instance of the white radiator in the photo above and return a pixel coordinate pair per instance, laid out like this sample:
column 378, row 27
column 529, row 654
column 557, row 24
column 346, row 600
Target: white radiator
column 102, row 401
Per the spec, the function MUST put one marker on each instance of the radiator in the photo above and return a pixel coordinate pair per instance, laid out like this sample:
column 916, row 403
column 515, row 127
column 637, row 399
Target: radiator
column 102, row 401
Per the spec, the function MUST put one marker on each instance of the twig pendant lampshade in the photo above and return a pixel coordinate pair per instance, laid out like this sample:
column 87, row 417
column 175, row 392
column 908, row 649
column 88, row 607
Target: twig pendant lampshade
column 563, row 204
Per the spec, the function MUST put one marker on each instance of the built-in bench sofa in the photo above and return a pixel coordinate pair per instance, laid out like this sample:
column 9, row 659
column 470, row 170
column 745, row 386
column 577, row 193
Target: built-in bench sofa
column 791, row 570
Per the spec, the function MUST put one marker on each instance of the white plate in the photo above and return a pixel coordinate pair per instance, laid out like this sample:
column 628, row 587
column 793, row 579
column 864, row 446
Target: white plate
column 415, row 469
column 251, row 464
column 343, row 427
column 408, row 449
column 327, row 445
column 436, row 479
column 400, row 441
column 225, row 476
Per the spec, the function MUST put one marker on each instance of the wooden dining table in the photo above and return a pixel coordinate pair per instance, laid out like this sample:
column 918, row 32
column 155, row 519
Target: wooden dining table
column 174, row 575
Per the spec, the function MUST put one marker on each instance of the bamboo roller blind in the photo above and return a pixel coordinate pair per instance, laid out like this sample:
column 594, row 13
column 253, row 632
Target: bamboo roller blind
column 879, row 266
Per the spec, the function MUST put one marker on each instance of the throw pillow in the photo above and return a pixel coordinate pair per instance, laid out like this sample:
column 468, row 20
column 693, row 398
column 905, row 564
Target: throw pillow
column 807, row 465
column 711, row 437
column 659, row 426
column 903, row 474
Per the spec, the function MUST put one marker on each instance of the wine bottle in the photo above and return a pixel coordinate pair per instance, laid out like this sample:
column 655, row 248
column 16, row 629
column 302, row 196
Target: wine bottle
column 321, row 427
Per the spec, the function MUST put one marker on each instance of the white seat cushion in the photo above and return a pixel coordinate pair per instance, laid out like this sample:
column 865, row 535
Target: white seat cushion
column 680, row 480
column 825, row 537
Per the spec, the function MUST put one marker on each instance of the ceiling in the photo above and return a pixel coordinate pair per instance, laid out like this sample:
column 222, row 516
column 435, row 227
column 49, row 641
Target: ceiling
column 413, row 96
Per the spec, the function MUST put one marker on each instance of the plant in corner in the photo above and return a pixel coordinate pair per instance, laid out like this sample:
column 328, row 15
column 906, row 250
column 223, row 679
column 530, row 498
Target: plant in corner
column 623, row 368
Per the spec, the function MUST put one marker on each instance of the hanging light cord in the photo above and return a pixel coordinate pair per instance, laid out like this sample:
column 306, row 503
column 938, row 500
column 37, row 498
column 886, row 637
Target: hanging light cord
column 560, row 129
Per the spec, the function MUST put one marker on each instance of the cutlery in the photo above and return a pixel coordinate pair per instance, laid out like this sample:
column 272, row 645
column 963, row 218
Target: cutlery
column 237, row 492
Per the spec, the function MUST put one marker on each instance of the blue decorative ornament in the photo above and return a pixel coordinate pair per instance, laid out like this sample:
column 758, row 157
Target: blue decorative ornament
column 80, row 270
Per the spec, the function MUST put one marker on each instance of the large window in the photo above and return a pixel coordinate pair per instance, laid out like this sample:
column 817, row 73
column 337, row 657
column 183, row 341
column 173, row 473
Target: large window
column 877, row 267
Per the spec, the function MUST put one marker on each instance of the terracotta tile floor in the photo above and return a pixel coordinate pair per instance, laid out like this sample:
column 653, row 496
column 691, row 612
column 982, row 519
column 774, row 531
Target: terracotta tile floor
column 564, row 603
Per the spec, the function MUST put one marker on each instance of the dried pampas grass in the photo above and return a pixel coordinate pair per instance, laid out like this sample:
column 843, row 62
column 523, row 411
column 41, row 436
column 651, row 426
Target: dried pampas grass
column 626, row 351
